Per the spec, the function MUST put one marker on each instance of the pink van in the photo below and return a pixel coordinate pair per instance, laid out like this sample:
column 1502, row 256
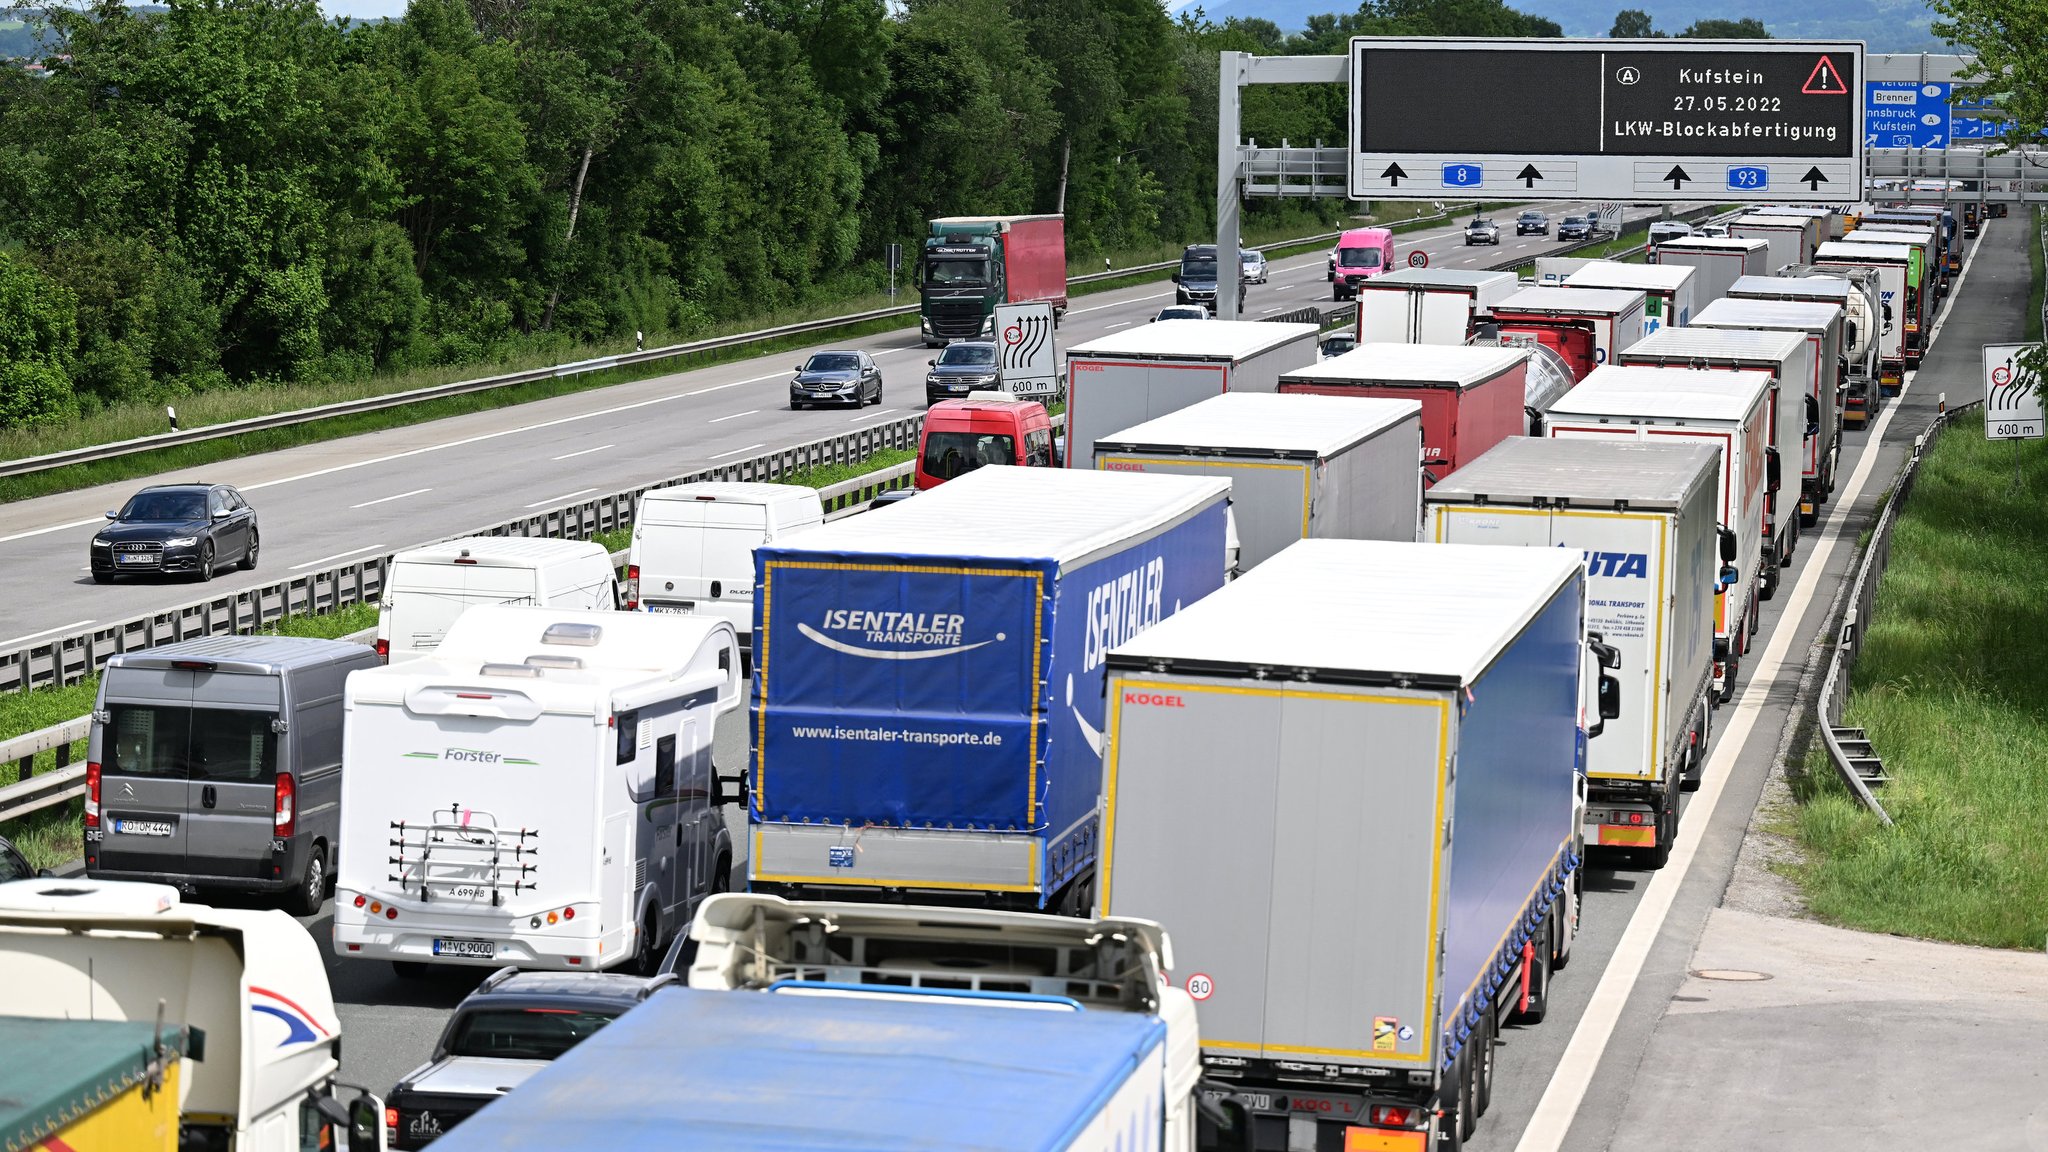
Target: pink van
column 1360, row 254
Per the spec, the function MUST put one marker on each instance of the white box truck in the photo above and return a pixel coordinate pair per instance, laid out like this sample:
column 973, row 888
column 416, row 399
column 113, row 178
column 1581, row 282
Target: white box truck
column 1429, row 305
column 1823, row 327
column 540, row 793
column 1337, row 467
column 1130, row 376
column 1787, row 358
column 1792, row 238
column 1668, row 289
column 1854, row 290
column 1553, row 271
column 1891, row 266
column 1717, row 262
column 1729, row 410
column 1644, row 517
column 1363, row 829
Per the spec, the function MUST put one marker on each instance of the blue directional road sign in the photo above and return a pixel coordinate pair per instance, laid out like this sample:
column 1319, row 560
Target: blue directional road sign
column 1748, row 178
column 1905, row 114
column 1463, row 175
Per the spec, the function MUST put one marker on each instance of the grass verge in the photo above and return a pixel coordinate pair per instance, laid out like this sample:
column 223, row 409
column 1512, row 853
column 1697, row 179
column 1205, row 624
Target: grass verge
column 1952, row 685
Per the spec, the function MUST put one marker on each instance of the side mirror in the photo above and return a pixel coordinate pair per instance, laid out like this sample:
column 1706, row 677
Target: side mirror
column 1606, row 654
column 933, row 363
column 45, row 874
column 1730, row 576
column 1771, row 470
column 112, row 514
column 221, row 513
column 1610, row 697
column 732, row 790
column 1175, row 277
column 1730, row 547
column 366, row 1124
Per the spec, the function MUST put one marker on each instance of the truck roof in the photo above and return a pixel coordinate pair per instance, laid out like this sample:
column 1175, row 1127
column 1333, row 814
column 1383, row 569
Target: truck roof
column 1675, row 344
column 1456, row 365
column 250, row 655
column 736, row 491
column 1863, row 252
column 1884, row 232
column 957, row 220
column 1435, row 278
column 1768, row 219
column 1430, row 615
column 1295, row 426
column 1230, row 340
column 738, row 1071
column 1065, row 515
column 1808, row 315
column 1714, row 244
column 1638, row 393
column 63, row 1070
column 1615, row 274
column 1592, row 473
column 1815, row 287
column 1571, row 301
column 499, row 551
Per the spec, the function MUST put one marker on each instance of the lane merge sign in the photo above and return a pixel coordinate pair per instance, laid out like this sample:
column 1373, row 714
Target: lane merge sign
column 2012, row 396
column 1446, row 118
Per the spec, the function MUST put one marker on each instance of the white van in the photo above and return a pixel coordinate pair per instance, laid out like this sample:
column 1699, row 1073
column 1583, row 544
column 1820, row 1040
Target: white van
column 538, row 793
column 425, row 589
column 693, row 546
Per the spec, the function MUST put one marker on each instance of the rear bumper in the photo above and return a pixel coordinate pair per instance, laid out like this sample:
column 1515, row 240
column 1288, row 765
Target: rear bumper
column 360, row 936
column 189, row 881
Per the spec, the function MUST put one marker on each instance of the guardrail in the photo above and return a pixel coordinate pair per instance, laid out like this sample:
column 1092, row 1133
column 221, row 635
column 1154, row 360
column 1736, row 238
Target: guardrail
column 31, row 464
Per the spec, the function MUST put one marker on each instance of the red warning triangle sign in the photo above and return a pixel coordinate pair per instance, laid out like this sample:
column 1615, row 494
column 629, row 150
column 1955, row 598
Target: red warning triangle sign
column 1825, row 79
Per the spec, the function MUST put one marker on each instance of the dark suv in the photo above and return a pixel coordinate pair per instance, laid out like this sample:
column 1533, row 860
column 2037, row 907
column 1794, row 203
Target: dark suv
column 965, row 366
column 1532, row 223
column 1195, row 283
column 502, row 1033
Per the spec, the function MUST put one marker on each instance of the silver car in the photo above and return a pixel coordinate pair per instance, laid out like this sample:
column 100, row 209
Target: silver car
column 1254, row 264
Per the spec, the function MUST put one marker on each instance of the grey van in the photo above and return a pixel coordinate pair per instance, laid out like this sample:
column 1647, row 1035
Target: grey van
column 216, row 764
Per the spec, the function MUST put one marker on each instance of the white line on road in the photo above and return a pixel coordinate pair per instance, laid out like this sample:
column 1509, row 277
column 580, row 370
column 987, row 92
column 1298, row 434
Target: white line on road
column 389, row 499
column 1117, row 304
column 875, row 415
column 44, row 632
column 336, row 556
column 51, row 528
column 562, row 499
column 585, row 452
column 734, row 416
column 734, row 452
column 1119, row 324
column 1559, row 1106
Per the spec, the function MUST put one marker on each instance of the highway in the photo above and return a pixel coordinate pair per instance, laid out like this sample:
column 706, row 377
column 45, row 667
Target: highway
column 345, row 499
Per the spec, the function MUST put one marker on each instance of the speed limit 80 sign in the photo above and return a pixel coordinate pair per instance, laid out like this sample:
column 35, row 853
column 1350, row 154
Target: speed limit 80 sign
column 2013, row 409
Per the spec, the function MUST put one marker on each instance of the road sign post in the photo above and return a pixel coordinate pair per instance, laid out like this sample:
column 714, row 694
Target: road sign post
column 1627, row 120
column 895, row 262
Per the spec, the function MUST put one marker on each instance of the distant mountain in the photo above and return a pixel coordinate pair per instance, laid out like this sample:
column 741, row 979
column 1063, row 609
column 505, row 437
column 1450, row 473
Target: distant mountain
column 1886, row 25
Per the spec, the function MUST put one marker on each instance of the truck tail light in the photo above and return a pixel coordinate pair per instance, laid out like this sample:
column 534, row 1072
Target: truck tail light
column 283, row 813
column 1394, row 1116
column 632, row 587
column 383, row 649
column 92, row 795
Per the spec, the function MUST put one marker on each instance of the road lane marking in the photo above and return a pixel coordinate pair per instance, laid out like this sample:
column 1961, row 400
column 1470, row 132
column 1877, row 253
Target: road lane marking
column 1559, row 1106
column 1118, row 304
column 1120, row 324
column 336, row 556
column 52, row 528
column 44, row 632
column 875, row 415
column 389, row 499
column 734, row 416
column 562, row 499
column 734, row 452
column 585, row 452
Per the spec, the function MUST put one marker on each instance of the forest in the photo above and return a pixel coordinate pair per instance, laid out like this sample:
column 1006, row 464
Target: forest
column 228, row 193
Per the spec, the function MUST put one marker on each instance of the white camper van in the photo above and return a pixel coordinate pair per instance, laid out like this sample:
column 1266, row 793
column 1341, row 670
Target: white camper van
column 540, row 793
column 693, row 546
column 425, row 589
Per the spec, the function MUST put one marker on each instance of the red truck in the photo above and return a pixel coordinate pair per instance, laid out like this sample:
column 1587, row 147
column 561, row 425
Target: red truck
column 1472, row 396
column 970, row 264
column 1586, row 326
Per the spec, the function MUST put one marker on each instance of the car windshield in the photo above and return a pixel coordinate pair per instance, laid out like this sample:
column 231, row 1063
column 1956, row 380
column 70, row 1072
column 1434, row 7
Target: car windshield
column 1481, row 224
column 524, row 1033
column 1198, row 268
column 951, row 454
column 1575, row 219
column 1250, row 257
column 832, row 362
column 957, row 273
column 165, row 506
column 1358, row 257
column 1532, row 215
column 968, row 354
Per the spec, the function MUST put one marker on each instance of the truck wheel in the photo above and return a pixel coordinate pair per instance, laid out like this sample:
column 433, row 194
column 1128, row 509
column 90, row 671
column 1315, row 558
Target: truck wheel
column 310, row 893
column 1667, row 827
column 1468, row 1088
column 1447, row 1136
column 1568, row 924
column 647, row 960
column 1732, row 666
column 1770, row 587
column 1483, row 1075
column 1790, row 547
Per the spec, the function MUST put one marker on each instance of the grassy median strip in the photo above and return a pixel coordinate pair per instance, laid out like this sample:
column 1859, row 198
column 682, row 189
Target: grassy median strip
column 1952, row 686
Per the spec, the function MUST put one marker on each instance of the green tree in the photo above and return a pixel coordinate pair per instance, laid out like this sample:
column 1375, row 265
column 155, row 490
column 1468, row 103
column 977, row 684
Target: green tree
column 1632, row 24
column 2009, row 39
column 1747, row 28
column 38, row 335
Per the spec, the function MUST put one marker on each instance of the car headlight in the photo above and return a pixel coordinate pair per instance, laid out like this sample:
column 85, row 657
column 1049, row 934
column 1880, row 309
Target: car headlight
column 181, row 542
column 101, row 542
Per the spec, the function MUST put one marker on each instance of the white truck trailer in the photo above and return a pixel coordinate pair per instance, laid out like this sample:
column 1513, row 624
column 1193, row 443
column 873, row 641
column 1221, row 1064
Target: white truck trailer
column 1717, row 262
column 1823, row 326
column 1854, row 290
column 1130, row 376
column 1354, row 926
column 1668, row 289
column 1299, row 466
column 1429, row 305
column 1643, row 515
column 1792, row 238
column 1729, row 410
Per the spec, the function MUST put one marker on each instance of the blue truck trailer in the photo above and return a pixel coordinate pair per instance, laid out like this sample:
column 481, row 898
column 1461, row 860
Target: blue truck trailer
column 1351, row 784
column 928, row 712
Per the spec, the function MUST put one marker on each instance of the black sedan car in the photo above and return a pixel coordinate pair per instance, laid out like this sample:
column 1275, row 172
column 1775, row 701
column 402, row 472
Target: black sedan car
column 1532, row 223
column 1575, row 228
column 841, row 376
column 183, row 528
column 965, row 366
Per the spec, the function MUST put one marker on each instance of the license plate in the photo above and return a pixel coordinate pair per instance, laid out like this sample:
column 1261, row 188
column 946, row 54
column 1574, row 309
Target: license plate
column 134, row 558
column 682, row 607
column 470, row 949
column 144, row 827
column 1628, row 835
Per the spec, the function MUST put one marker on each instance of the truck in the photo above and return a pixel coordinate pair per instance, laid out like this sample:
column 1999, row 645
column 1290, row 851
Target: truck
column 1792, row 238
column 1429, row 305
column 90, row 1085
column 972, row 264
column 1949, row 255
column 927, row 719
column 818, row 1070
column 1132, row 375
column 1472, row 397
column 1299, row 466
column 1553, row 271
column 1921, row 279
column 1358, row 937
column 1823, row 327
column 1791, row 419
column 539, row 793
column 1891, row 265
column 1667, row 289
column 246, row 986
column 1644, row 517
column 1828, row 223
column 1854, row 291
column 1586, row 326
column 1717, row 262
column 1731, row 412
column 751, row 942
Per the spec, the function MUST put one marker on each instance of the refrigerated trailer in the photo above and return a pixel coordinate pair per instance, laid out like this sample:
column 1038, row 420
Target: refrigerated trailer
column 1890, row 265
column 1131, row 376
column 1921, row 280
column 1346, row 468
column 1472, row 397
column 1429, row 305
column 1668, row 289
column 1362, row 828
column 1792, row 238
column 1854, row 291
column 1717, row 262
column 1822, row 325
column 928, row 711
column 1586, row 326
column 1731, row 412
column 1644, row 517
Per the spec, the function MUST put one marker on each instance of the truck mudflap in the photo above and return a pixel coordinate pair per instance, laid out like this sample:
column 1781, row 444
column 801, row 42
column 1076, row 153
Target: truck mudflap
column 1465, row 1018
